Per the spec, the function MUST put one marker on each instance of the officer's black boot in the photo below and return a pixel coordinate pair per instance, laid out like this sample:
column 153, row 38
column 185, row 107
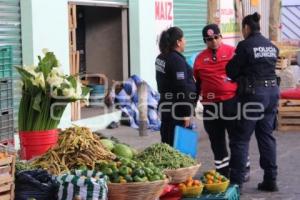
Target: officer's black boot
column 241, row 189
column 269, row 186
column 224, row 171
column 235, row 179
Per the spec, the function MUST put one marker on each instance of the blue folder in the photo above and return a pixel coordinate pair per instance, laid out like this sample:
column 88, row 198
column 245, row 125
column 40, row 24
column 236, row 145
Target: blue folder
column 186, row 141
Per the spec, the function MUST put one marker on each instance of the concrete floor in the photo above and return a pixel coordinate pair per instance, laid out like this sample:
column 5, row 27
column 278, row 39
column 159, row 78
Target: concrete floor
column 288, row 151
column 288, row 160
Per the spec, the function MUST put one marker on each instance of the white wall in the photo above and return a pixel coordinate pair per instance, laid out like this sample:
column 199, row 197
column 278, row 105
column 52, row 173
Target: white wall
column 49, row 29
column 45, row 25
column 142, row 39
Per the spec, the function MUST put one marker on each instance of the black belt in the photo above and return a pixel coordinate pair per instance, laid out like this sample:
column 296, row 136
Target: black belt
column 266, row 83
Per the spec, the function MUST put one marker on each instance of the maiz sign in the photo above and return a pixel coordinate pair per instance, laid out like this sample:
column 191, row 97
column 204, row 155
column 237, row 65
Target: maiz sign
column 163, row 18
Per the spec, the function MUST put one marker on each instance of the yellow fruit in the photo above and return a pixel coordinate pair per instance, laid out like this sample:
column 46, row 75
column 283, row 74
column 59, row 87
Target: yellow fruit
column 212, row 172
column 182, row 188
column 123, row 181
column 196, row 182
column 189, row 184
column 210, row 177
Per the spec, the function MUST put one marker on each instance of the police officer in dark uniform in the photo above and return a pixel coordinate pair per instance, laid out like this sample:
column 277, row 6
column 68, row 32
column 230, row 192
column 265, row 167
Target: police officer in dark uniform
column 253, row 68
column 175, row 84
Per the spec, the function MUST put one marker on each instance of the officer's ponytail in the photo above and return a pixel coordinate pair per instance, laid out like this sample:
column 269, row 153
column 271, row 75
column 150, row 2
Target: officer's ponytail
column 256, row 17
column 168, row 39
column 252, row 21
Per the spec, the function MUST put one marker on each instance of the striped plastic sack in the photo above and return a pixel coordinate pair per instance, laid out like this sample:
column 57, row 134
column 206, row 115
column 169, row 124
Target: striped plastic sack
column 83, row 185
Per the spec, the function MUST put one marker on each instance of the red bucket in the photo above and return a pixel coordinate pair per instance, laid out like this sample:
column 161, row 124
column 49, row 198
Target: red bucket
column 36, row 143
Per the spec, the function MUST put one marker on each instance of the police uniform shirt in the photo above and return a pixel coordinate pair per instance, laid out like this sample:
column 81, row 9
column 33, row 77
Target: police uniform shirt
column 175, row 81
column 255, row 58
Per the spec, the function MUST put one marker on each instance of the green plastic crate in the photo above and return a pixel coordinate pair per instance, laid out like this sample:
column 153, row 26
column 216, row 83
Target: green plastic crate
column 6, row 62
column 232, row 193
column 6, row 94
column 6, row 126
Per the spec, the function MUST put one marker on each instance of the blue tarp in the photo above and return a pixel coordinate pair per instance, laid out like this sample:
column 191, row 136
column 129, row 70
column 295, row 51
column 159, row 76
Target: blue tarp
column 127, row 100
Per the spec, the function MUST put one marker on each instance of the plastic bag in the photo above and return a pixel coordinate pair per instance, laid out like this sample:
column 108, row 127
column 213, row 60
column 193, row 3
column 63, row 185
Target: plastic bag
column 35, row 184
column 287, row 78
column 83, row 185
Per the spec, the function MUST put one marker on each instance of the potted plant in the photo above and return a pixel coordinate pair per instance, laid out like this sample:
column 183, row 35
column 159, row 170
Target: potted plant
column 46, row 91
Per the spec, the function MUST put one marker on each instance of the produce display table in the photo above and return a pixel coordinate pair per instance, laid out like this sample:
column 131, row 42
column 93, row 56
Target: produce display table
column 289, row 110
column 232, row 193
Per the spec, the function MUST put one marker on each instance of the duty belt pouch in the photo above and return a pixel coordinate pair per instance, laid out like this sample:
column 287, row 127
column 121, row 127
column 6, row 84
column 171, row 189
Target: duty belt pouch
column 278, row 80
column 245, row 87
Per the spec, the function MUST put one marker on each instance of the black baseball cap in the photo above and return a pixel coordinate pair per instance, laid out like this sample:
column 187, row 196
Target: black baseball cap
column 210, row 30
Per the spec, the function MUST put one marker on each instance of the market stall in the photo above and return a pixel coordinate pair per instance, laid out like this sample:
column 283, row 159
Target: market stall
column 77, row 164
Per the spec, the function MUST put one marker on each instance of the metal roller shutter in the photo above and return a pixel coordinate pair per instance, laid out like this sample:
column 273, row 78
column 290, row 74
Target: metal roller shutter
column 118, row 1
column 10, row 34
column 191, row 17
column 109, row 3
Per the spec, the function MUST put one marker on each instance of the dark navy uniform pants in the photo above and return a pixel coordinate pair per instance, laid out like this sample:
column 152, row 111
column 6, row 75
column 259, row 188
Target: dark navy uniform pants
column 167, row 128
column 218, row 118
column 258, row 115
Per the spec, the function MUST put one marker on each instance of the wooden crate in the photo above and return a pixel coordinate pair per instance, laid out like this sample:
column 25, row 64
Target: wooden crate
column 289, row 115
column 283, row 63
column 288, row 49
column 7, row 174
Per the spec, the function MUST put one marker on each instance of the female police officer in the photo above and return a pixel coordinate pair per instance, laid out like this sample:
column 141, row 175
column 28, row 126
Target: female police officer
column 253, row 68
column 175, row 84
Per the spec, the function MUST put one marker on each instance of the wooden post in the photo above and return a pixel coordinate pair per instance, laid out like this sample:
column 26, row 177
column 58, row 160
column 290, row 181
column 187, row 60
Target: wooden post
column 212, row 13
column 143, row 109
column 274, row 20
column 74, row 57
column 239, row 14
